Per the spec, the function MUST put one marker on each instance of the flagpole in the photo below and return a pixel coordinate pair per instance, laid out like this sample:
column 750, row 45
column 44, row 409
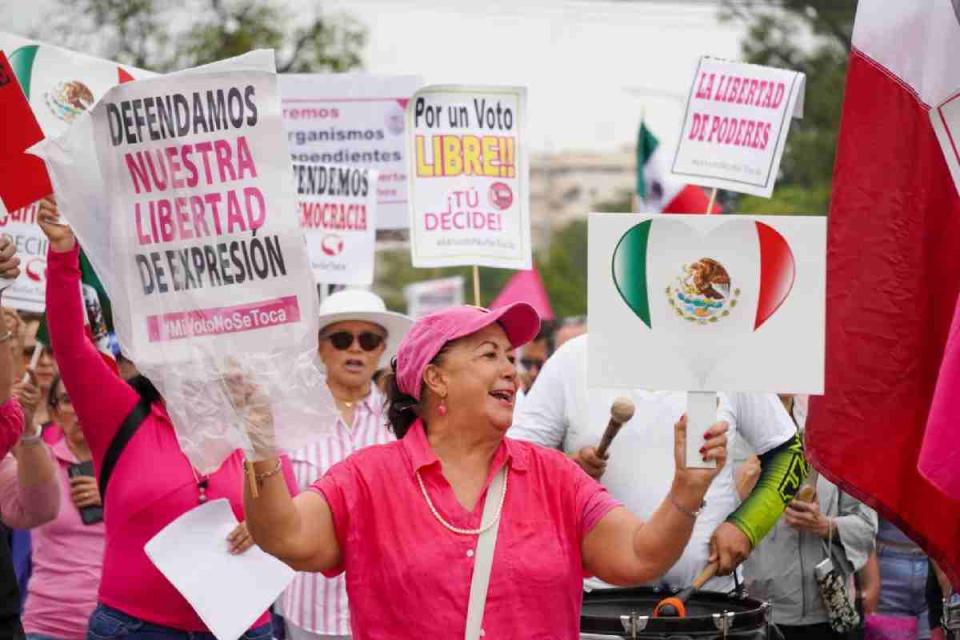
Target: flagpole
column 476, row 285
column 713, row 201
column 637, row 200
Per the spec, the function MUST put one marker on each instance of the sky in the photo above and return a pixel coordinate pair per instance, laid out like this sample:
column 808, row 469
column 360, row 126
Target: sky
column 592, row 68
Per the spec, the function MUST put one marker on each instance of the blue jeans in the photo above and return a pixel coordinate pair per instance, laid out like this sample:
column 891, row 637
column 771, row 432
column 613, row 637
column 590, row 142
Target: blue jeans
column 39, row 636
column 903, row 586
column 107, row 624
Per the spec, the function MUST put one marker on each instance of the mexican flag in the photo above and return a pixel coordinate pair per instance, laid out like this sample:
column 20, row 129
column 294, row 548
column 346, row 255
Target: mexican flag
column 753, row 247
column 658, row 190
column 99, row 314
column 894, row 278
column 61, row 84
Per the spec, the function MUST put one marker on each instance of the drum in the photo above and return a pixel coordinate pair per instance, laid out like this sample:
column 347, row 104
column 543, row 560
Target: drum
column 627, row 613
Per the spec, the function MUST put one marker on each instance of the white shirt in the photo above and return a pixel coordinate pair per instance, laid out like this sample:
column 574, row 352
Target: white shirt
column 312, row 602
column 560, row 412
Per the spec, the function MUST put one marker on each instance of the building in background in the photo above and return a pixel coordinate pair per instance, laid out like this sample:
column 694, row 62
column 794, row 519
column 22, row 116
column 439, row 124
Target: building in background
column 567, row 186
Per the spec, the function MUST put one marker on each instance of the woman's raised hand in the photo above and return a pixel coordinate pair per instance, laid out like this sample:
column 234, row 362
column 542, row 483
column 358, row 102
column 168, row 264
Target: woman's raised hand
column 57, row 231
column 253, row 408
column 9, row 262
column 714, row 448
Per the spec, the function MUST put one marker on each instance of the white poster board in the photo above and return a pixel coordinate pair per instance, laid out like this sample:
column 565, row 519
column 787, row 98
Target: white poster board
column 28, row 292
column 736, row 124
column 353, row 119
column 59, row 85
column 707, row 303
column 229, row 592
column 424, row 298
column 469, row 187
column 946, row 124
column 338, row 215
column 181, row 191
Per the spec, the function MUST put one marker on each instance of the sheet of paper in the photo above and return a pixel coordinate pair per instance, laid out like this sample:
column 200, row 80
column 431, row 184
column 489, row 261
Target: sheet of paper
column 228, row 592
column 701, row 413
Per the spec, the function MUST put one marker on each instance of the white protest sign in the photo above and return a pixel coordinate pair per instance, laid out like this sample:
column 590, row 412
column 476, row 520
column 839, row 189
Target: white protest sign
column 338, row 214
column 181, row 191
column 736, row 124
column 707, row 303
column 28, row 292
column 59, row 85
column 229, row 592
column 469, row 187
column 946, row 124
column 423, row 298
column 357, row 120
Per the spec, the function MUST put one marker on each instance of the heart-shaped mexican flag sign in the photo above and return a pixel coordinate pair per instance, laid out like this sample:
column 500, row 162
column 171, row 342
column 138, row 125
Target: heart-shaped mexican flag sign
column 736, row 276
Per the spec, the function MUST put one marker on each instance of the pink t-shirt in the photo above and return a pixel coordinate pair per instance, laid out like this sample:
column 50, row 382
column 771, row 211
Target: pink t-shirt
column 67, row 559
column 409, row 577
column 153, row 482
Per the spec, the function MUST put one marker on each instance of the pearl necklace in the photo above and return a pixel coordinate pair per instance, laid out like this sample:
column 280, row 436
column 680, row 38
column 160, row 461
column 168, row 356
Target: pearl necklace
column 457, row 530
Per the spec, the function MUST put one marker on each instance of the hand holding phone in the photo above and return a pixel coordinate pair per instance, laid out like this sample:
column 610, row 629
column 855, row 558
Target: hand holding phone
column 84, row 492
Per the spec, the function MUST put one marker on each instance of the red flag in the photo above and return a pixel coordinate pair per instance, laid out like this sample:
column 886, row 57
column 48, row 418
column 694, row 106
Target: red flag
column 23, row 177
column 526, row 286
column 893, row 271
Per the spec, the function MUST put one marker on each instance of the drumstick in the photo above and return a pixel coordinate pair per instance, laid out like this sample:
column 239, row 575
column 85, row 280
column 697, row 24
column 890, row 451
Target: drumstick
column 675, row 606
column 620, row 412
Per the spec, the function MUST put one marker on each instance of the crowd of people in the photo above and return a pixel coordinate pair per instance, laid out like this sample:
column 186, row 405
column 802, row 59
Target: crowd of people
column 460, row 492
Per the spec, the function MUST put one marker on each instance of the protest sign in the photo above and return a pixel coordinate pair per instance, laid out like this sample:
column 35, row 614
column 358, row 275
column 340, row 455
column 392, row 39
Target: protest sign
column 707, row 303
column 469, row 188
column 946, row 123
column 736, row 124
column 28, row 292
column 356, row 120
column 180, row 189
column 423, row 298
column 58, row 85
column 338, row 214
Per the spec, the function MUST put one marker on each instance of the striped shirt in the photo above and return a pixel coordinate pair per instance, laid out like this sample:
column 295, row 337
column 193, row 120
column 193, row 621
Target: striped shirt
column 312, row 602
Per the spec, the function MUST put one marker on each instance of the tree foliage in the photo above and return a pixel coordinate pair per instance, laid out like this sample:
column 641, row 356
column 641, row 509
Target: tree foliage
column 163, row 35
column 812, row 36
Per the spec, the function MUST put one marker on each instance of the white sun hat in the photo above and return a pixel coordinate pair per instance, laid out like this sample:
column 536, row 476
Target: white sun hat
column 366, row 306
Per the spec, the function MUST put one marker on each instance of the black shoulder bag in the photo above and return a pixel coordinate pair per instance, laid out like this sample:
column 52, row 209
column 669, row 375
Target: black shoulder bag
column 127, row 428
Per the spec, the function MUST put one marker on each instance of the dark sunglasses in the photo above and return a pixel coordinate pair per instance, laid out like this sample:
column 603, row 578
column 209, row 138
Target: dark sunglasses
column 532, row 363
column 343, row 340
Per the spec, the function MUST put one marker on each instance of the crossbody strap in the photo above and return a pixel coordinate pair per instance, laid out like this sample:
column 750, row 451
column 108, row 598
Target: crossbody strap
column 126, row 430
column 483, row 559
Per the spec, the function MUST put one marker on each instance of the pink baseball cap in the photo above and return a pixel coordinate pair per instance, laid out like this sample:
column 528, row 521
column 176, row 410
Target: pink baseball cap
column 426, row 338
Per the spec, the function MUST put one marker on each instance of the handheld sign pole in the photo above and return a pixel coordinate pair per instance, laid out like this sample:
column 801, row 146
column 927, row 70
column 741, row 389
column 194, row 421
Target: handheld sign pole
column 713, row 201
column 476, row 285
column 701, row 413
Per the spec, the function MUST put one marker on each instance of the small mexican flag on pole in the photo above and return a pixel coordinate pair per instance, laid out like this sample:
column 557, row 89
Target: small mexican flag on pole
column 659, row 191
column 99, row 314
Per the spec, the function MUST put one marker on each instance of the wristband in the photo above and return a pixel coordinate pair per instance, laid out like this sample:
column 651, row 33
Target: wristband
column 679, row 507
column 34, row 438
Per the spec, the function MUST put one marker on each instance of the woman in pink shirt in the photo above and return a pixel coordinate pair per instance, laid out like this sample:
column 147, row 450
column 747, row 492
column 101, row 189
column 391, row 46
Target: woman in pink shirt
column 406, row 520
column 68, row 552
column 153, row 482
